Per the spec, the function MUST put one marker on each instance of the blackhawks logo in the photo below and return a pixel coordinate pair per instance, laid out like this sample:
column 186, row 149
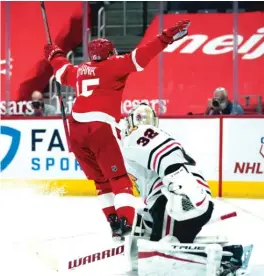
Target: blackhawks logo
column 135, row 186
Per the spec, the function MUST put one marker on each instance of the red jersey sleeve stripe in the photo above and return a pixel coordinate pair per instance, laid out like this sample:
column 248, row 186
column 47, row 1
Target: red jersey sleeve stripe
column 134, row 60
column 59, row 73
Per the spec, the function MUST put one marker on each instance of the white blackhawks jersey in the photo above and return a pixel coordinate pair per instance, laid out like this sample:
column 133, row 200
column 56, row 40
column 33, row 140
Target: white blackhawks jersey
column 148, row 152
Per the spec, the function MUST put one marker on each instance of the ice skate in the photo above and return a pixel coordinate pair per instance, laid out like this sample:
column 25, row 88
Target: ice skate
column 115, row 227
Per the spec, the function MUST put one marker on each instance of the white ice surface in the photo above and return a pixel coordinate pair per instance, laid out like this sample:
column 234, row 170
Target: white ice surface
column 63, row 228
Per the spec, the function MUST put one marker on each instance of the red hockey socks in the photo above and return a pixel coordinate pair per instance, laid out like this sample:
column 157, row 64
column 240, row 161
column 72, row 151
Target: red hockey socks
column 106, row 199
column 124, row 201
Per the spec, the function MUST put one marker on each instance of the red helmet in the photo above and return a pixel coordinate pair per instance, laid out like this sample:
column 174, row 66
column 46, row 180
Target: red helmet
column 100, row 49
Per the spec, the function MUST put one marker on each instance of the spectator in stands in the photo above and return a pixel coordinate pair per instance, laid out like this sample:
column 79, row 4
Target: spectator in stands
column 220, row 105
column 40, row 108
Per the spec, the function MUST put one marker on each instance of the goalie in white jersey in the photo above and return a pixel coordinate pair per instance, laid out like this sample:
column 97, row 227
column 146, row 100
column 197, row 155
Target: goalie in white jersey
column 178, row 203
column 167, row 178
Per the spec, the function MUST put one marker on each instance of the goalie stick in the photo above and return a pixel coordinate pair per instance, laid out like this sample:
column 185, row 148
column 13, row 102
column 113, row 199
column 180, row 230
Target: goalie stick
column 223, row 217
column 62, row 107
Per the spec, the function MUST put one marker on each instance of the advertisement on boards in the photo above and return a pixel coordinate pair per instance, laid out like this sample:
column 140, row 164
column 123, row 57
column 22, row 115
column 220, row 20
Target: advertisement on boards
column 243, row 160
column 36, row 149
column 243, row 155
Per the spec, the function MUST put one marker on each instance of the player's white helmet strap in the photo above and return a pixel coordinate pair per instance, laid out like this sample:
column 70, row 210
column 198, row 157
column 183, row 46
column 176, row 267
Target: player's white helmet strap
column 143, row 114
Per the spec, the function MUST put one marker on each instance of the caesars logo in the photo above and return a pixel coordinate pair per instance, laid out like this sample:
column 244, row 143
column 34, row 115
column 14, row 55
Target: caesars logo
column 15, row 136
column 160, row 106
column 25, row 107
column 252, row 167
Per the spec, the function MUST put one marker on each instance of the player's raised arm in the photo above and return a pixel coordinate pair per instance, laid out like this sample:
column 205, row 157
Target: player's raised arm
column 140, row 57
column 64, row 71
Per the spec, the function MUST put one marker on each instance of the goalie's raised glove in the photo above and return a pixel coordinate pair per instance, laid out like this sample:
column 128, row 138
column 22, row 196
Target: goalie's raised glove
column 52, row 50
column 178, row 31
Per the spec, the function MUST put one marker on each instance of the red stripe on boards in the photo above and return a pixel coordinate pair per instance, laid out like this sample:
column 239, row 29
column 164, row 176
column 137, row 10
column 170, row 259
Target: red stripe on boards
column 220, row 156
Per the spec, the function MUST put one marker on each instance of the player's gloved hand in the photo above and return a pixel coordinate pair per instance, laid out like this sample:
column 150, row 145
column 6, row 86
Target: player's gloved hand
column 178, row 31
column 52, row 50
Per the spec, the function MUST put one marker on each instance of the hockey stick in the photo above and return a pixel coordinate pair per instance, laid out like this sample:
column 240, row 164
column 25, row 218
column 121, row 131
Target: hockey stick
column 224, row 217
column 62, row 107
column 46, row 25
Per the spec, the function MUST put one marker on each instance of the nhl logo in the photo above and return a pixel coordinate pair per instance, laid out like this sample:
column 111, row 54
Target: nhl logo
column 261, row 150
column 114, row 168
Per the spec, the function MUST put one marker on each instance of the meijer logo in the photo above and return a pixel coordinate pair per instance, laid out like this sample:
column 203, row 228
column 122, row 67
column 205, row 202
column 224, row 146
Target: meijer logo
column 11, row 153
column 248, row 48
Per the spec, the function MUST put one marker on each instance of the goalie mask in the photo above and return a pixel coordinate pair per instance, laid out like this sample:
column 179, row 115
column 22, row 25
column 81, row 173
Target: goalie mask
column 143, row 114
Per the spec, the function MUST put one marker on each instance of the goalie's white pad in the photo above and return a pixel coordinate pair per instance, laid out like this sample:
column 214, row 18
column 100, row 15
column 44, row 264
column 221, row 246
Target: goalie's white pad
column 187, row 199
column 144, row 223
column 222, row 240
column 172, row 258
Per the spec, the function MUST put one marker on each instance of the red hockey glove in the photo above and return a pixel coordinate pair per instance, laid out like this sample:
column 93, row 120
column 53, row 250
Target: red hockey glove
column 51, row 50
column 178, row 31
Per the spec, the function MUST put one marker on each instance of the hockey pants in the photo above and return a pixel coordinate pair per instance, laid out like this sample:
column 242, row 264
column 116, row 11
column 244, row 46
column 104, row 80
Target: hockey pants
column 96, row 148
column 184, row 231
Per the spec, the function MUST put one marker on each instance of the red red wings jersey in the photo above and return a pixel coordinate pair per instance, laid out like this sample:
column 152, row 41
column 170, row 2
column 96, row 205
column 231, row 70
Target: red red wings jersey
column 99, row 85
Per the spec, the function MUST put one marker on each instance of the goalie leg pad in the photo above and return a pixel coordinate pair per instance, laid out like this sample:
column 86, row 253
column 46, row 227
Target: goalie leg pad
column 159, row 258
column 144, row 223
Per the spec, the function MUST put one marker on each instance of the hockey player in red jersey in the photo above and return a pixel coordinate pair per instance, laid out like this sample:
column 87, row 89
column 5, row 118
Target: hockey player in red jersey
column 99, row 86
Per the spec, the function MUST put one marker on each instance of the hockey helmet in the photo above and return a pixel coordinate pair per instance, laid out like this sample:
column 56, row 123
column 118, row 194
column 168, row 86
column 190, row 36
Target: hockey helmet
column 142, row 114
column 100, row 49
